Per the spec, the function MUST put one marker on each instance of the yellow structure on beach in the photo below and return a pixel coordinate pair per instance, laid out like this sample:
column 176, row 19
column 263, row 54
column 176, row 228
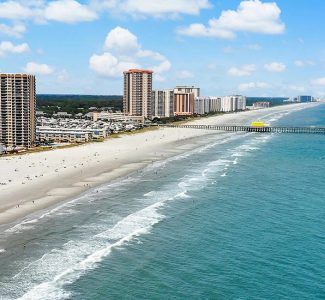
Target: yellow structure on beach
column 258, row 124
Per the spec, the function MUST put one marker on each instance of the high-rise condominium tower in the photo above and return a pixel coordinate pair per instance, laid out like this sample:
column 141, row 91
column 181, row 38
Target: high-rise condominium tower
column 184, row 99
column 137, row 93
column 17, row 110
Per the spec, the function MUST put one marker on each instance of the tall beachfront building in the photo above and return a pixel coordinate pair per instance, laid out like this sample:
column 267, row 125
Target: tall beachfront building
column 162, row 103
column 137, row 93
column 233, row 103
column 184, row 99
column 17, row 110
column 204, row 105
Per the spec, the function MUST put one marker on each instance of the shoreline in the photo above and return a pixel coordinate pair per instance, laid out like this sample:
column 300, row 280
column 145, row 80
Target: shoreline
column 42, row 180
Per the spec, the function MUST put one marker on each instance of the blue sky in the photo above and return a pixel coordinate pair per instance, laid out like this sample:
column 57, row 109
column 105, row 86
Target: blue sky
column 250, row 47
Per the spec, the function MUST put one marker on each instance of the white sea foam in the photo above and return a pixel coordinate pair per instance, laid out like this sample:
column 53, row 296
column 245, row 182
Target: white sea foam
column 78, row 257
column 2, row 251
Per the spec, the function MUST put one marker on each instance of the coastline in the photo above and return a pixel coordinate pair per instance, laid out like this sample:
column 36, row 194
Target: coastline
column 44, row 179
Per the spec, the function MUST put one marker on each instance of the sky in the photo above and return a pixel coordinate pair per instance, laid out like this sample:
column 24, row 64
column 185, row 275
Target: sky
column 249, row 47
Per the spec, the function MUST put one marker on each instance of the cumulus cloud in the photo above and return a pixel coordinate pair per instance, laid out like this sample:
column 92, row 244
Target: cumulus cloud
column 245, row 70
column 184, row 74
column 15, row 30
column 253, row 85
column 251, row 16
column 38, row 69
column 8, row 47
column 160, row 9
column 108, row 65
column 122, row 51
column 14, row 10
column 303, row 63
column 318, row 81
column 121, row 40
column 277, row 67
column 69, row 11
column 40, row 11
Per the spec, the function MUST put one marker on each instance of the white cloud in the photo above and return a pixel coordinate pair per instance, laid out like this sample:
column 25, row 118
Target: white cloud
column 150, row 8
column 69, row 11
column 184, row 74
column 250, row 16
column 8, row 47
column 123, row 52
column 38, row 69
column 122, row 41
column 164, row 66
column 303, row 63
column 108, row 65
column 245, row 70
column 40, row 11
column 255, row 47
column 15, row 30
column 318, row 81
column 295, row 88
column 253, row 85
column 275, row 67
column 14, row 10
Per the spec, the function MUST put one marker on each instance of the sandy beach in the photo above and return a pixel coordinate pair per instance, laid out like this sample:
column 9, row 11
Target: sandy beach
column 36, row 181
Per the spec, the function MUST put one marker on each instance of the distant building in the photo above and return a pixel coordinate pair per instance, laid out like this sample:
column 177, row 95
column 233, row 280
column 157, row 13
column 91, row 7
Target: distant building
column 233, row 103
column 184, row 99
column 304, row 99
column 62, row 114
column 204, row 105
column 138, row 93
column 162, row 103
column 261, row 104
column 17, row 110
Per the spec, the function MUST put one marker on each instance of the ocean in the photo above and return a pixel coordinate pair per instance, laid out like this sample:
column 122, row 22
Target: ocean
column 243, row 218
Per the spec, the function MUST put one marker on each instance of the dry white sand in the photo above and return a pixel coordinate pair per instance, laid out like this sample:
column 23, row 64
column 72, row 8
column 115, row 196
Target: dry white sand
column 36, row 181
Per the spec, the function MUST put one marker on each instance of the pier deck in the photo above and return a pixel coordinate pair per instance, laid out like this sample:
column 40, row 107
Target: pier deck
column 266, row 129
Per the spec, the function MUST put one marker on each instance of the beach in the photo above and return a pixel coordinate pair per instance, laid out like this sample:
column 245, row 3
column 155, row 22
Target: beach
column 36, row 181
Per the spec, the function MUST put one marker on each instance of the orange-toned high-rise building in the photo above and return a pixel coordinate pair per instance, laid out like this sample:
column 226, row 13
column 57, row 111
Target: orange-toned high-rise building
column 184, row 100
column 138, row 93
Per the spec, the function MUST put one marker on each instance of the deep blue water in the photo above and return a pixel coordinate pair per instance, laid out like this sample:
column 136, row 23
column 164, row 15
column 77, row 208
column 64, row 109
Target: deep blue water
column 238, row 219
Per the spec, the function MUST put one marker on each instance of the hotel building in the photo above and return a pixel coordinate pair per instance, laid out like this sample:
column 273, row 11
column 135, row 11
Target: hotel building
column 17, row 110
column 137, row 93
column 233, row 103
column 204, row 105
column 184, row 99
column 162, row 103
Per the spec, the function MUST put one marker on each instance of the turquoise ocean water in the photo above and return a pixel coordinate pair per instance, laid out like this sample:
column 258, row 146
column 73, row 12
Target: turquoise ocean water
column 239, row 219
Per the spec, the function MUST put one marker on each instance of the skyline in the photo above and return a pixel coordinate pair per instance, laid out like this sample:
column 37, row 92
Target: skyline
column 251, row 47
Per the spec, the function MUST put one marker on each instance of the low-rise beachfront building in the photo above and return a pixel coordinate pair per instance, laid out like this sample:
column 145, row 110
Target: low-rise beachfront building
column 63, row 136
column 162, row 103
column 94, row 133
column 261, row 104
column 113, row 117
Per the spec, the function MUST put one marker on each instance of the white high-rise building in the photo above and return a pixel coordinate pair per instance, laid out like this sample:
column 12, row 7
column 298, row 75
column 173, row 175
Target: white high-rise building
column 204, row 105
column 162, row 103
column 233, row 103
column 17, row 110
